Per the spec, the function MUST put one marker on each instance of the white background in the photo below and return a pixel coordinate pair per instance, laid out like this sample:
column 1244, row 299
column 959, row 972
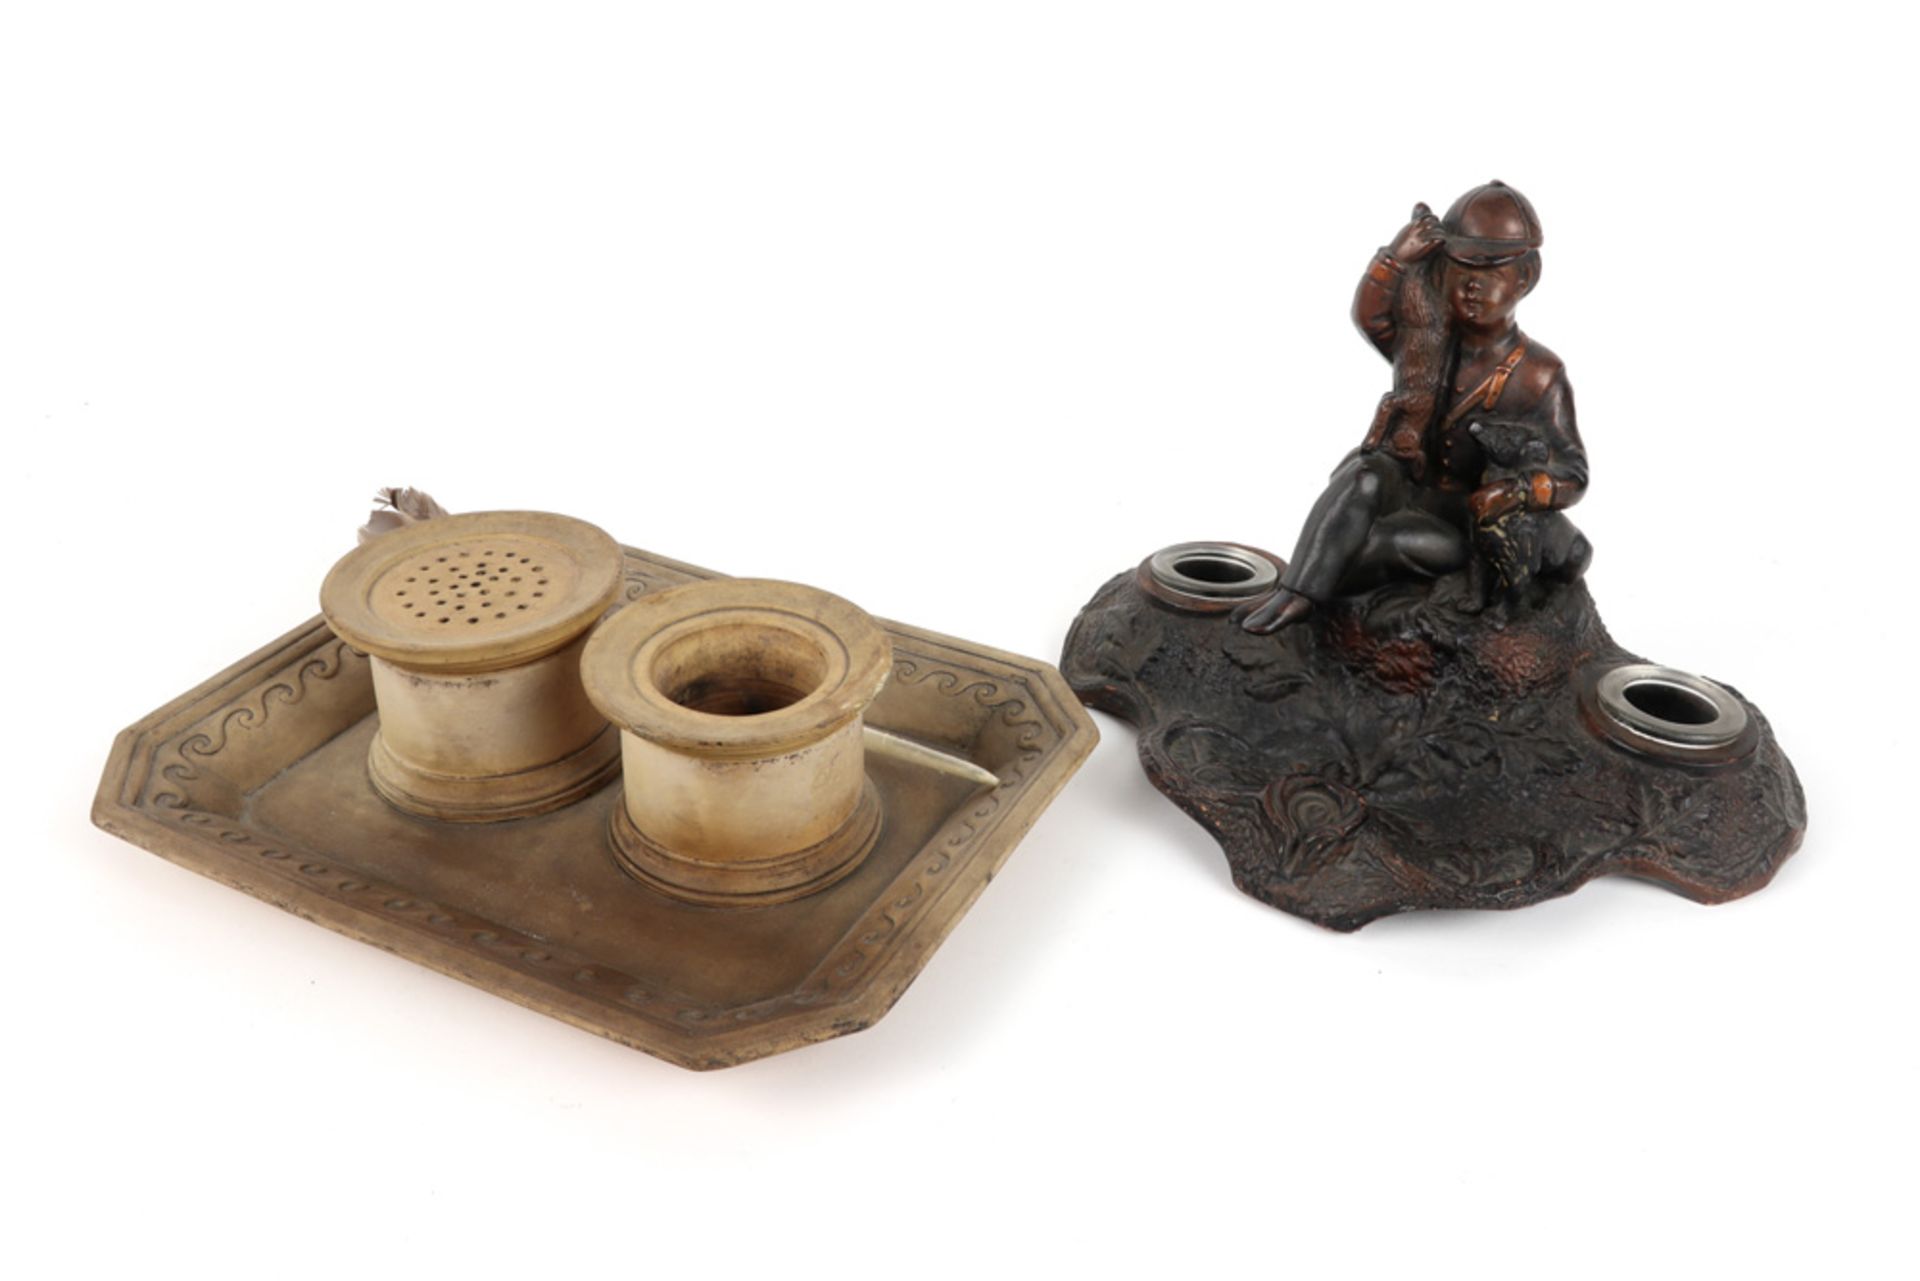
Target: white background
column 955, row 311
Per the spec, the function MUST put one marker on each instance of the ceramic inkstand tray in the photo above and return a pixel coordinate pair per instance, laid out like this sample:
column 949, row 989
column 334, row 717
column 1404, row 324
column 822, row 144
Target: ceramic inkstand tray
column 260, row 779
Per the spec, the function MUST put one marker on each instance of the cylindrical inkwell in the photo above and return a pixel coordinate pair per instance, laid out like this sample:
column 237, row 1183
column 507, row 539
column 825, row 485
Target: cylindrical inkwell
column 474, row 625
column 740, row 704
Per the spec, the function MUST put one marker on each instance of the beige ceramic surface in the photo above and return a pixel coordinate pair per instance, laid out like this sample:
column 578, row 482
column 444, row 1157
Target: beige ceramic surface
column 258, row 778
column 474, row 626
column 740, row 705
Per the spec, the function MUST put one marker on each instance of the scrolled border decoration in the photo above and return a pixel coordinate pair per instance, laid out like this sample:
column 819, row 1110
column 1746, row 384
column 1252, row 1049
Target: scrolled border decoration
column 251, row 713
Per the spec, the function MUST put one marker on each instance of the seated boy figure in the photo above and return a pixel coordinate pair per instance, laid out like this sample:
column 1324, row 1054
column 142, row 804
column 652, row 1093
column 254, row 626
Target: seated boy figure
column 1483, row 485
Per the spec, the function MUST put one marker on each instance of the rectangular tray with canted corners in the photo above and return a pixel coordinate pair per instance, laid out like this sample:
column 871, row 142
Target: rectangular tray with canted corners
column 258, row 779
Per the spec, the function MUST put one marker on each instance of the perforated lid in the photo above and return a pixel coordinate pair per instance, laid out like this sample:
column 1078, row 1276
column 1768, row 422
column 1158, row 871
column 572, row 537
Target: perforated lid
column 473, row 593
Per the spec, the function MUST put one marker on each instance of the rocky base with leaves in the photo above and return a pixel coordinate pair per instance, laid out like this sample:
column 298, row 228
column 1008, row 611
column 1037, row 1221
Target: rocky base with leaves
column 1399, row 750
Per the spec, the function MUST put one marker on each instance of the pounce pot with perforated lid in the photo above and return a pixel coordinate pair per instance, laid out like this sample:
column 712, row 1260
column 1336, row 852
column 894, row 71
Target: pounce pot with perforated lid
column 474, row 625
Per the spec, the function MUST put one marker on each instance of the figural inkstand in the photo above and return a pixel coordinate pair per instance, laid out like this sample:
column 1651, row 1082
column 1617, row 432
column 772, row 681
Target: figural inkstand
column 1421, row 708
